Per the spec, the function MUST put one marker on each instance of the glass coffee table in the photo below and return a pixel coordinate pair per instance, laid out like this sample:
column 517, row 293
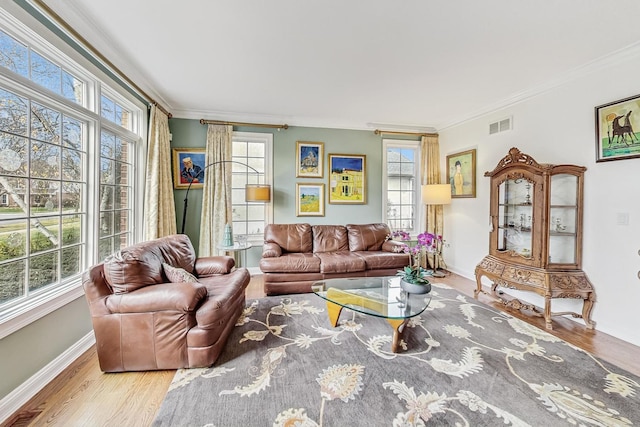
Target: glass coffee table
column 374, row 296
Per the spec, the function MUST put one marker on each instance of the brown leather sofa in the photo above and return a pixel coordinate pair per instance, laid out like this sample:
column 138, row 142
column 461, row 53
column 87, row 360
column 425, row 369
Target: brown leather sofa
column 142, row 321
column 296, row 255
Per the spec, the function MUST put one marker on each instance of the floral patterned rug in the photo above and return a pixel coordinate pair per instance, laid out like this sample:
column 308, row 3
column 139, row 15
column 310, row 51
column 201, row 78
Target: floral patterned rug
column 461, row 363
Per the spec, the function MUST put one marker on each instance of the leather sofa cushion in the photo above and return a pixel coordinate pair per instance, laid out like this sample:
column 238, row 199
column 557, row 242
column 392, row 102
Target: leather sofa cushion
column 367, row 237
column 291, row 263
column 340, row 262
column 329, row 238
column 384, row 260
column 140, row 265
column 290, row 237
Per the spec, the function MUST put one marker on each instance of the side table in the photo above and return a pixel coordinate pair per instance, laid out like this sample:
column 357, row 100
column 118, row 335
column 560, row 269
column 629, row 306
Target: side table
column 237, row 247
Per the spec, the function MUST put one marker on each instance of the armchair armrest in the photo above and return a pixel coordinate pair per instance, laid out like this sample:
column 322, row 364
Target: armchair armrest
column 271, row 250
column 393, row 246
column 184, row 296
column 211, row 265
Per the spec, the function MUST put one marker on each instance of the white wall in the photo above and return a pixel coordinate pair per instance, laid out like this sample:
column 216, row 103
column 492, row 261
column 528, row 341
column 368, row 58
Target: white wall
column 557, row 126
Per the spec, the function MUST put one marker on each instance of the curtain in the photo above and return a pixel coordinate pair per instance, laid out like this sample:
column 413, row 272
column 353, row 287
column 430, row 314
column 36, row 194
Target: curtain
column 430, row 174
column 160, row 215
column 216, row 191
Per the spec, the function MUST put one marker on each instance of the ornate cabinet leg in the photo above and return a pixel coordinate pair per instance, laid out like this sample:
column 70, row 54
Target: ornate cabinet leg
column 547, row 312
column 587, row 306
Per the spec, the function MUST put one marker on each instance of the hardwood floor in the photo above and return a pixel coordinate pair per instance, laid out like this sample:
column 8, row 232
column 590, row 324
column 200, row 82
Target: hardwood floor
column 84, row 396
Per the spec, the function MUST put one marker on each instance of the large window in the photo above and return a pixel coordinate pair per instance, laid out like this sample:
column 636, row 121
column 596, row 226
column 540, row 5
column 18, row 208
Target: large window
column 401, row 184
column 254, row 150
column 66, row 171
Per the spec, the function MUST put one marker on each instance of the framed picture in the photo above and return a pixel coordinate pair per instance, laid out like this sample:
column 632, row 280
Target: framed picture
column 347, row 179
column 461, row 173
column 616, row 138
column 188, row 167
column 309, row 199
column 309, row 159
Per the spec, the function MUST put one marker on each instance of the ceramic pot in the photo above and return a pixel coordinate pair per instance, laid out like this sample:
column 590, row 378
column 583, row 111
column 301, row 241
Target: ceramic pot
column 414, row 288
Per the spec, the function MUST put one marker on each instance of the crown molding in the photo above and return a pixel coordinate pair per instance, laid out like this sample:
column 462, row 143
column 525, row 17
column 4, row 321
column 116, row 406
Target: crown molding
column 617, row 57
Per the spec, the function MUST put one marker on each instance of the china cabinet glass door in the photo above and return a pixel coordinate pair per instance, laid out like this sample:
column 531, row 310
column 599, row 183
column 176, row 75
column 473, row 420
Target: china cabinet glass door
column 563, row 214
column 515, row 217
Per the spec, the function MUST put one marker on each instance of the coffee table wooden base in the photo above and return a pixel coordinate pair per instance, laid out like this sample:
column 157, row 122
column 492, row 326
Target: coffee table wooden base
column 334, row 311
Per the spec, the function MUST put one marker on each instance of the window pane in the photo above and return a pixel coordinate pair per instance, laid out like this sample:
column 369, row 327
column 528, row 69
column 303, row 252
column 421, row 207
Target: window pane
column 45, row 124
column 13, row 55
column 107, row 108
column 12, row 238
column 43, row 270
column 13, row 113
column 71, row 261
column 106, row 224
column 44, row 197
column 72, row 133
column 71, row 230
column 44, row 234
column 45, row 160
column 12, row 280
column 106, row 197
column 72, row 88
column 71, row 196
column 12, row 155
column 71, row 165
column 45, row 73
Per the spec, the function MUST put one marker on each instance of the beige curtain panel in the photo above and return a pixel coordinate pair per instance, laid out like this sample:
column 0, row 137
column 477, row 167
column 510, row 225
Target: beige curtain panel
column 430, row 174
column 216, row 191
column 160, row 210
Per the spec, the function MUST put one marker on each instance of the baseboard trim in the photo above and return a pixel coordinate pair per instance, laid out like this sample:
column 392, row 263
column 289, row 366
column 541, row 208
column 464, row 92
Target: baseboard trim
column 11, row 403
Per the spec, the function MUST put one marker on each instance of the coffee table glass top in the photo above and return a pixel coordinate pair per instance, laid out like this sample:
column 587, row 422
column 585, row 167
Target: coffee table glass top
column 376, row 296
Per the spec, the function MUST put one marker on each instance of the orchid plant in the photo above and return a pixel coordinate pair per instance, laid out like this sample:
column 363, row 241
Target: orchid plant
column 426, row 243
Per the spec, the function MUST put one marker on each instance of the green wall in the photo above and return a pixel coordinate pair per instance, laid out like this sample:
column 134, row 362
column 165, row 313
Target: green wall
column 28, row 350
column 190, row 133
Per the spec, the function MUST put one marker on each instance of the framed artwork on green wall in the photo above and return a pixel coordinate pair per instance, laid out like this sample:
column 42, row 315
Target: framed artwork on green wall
column 309, row 159
column 309, row 199
column 188, row 167
column 347, row 179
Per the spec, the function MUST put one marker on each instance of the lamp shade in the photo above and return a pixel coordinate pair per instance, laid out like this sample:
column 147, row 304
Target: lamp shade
column 257, row 193
column 436, row 194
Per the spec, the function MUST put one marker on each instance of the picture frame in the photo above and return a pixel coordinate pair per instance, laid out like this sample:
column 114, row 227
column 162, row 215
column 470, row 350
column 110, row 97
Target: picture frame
column 615, row 124
column 348, row 179
column 461, row 174
column 309, row 159
column 309, row 199
column 180, row 175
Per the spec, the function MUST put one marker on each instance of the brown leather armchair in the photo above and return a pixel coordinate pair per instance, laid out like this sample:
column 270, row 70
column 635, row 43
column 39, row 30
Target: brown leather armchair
column 143, row 321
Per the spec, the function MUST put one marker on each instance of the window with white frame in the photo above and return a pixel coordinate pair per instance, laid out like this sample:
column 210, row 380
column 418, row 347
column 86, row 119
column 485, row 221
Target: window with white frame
column 255, row 151
column 401, row 184
column 52, row 140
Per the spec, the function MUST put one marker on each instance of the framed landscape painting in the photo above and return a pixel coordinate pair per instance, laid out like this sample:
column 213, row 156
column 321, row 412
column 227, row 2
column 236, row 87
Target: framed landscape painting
column 617, row 130
column 309, row 159
column 461, row 173
column 347, row 179
column 188, row 167
column 309, row 199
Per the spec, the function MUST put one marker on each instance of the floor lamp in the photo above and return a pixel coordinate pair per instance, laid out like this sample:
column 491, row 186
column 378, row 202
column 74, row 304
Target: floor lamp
column 436, row 194
column 252, row 192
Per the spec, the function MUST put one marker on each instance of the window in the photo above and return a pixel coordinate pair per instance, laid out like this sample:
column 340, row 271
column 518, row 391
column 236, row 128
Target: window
column 401, row 184
column 49, row 187
column 254, row 150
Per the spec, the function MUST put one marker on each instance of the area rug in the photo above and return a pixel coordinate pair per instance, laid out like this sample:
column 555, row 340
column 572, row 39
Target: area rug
column 461, row 363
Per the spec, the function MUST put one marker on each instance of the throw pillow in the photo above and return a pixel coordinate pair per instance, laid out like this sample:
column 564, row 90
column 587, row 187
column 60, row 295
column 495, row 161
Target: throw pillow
column 177, row 274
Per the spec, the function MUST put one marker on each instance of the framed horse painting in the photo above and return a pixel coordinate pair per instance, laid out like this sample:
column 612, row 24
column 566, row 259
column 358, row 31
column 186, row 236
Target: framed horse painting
column 618, row 130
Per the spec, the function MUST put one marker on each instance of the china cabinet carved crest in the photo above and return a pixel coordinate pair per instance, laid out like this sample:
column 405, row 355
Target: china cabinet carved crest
column 536, row 235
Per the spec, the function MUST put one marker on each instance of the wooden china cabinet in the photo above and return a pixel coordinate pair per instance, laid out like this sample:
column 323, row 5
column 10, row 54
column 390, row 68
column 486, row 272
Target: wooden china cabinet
column 536, row 235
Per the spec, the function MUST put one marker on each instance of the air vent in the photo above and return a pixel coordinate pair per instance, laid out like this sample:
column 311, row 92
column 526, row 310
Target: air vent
column 500, row 126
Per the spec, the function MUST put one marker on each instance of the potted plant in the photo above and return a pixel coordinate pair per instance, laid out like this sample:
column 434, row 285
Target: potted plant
column 414, row 277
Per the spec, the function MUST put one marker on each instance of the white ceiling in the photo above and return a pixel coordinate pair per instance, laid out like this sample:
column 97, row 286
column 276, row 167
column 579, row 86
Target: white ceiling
column 352, row 64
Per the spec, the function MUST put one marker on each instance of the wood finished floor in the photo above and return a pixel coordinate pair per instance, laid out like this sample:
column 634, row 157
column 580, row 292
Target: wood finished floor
column 84, row 396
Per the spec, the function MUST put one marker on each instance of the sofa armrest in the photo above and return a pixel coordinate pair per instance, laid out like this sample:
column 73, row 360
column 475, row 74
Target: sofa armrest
column 212, row 265
column 184, row 296
column 271, row 250
column 393, row 246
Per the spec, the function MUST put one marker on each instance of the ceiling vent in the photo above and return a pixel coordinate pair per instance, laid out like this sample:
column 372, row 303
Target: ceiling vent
column 500, row 126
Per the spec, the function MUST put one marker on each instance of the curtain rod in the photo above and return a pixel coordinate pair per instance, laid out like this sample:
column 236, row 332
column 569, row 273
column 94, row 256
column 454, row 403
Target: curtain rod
column 66, row 27
column 393, row 132
column 221, row 122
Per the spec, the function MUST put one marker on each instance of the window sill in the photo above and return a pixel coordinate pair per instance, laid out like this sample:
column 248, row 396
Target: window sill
column 24, row 314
